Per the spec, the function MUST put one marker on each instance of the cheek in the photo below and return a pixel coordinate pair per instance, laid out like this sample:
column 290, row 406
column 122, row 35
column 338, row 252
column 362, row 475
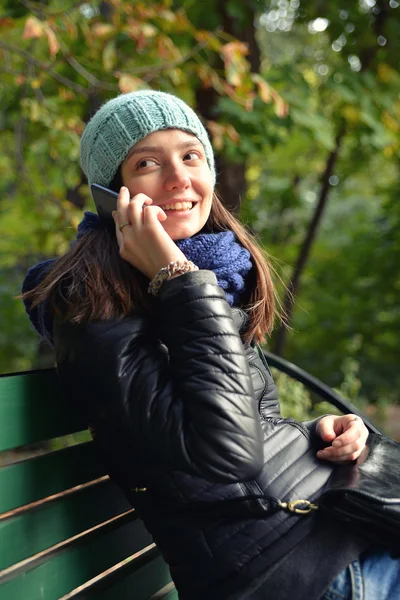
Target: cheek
column 142, row 186
column 208, row 203
column 207, row 209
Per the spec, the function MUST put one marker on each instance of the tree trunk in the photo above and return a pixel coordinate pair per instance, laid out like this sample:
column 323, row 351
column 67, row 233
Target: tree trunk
column 231, row 177
column 293, row 287
column 366, row 57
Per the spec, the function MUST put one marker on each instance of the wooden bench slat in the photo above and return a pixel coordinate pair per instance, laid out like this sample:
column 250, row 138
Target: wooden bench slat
column 168, row 592
column 32, row 409
column 140, row 585
column 29, row 533
column 105, row 580
column 43, row 476
column 126, row 582
column 66, row 531
column 71, row 568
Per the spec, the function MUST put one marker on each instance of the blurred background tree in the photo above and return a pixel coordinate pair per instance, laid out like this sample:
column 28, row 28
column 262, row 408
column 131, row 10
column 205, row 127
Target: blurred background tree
column 302, row 101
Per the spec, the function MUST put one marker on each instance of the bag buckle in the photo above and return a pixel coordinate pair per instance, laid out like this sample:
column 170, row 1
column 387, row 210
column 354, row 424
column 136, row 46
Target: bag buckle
column 299, row 507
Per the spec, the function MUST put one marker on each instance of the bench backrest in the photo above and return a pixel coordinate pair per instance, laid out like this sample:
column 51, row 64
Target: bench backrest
column 66, row 531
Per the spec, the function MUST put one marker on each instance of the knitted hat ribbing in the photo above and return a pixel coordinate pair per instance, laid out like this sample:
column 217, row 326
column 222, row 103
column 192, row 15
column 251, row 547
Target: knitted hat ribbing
column 125, row 120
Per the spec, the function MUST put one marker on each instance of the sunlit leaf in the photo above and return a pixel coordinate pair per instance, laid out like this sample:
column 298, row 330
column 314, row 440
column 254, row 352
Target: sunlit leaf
column 129, row 83
column 33, row 29
column 54, row 45
column 264, row 89
column 102, row 30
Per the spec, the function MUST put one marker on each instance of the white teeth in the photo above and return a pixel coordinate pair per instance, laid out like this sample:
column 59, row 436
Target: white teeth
column 178, row 206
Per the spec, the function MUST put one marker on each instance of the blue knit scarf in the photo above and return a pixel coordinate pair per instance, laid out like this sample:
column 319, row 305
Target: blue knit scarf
column 217, row 252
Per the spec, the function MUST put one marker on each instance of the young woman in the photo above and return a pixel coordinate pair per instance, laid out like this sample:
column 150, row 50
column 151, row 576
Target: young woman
column 154, row 323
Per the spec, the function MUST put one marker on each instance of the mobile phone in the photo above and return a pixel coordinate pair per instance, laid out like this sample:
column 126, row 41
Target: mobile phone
column 105, row 201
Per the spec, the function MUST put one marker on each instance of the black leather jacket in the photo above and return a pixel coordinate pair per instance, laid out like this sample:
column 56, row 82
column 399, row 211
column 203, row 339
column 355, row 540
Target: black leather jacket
column 181, row 407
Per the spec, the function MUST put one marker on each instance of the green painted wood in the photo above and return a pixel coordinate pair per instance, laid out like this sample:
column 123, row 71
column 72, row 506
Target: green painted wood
column 164, row 592
column 71, row 568
column 27, row 534
column 32, row 409
column 172, row 595
column 43, row 476
column 140, row 585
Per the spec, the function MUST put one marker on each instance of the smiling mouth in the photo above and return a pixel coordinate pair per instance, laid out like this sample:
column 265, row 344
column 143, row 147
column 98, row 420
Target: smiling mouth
column 178, row 206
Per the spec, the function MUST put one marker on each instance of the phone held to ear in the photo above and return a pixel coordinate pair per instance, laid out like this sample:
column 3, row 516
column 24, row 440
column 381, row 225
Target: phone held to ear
column 105, row 201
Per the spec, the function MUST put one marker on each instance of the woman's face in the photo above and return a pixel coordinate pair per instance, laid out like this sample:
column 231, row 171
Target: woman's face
column 170, row 167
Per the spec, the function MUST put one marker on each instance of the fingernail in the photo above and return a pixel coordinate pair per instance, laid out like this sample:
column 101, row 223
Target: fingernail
column 337, row 443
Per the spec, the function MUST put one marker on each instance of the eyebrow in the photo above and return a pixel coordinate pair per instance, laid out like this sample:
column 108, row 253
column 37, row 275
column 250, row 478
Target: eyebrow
column 159, row 149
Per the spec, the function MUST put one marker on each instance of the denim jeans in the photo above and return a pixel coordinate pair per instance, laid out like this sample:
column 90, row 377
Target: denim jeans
column 375, row 576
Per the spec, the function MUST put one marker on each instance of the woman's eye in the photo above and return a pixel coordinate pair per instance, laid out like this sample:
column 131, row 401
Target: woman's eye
column 191, row 156
column 147, row 162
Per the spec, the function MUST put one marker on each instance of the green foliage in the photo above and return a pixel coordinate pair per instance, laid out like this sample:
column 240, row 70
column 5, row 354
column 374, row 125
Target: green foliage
column 294, row 398
column 59, row 62
column 349, row 290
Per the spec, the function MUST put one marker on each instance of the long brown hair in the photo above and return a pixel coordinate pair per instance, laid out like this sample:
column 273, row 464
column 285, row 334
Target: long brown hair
column 92, row 282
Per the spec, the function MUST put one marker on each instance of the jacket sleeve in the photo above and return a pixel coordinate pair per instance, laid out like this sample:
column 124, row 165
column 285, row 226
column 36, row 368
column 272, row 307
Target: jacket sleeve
column 178, row 389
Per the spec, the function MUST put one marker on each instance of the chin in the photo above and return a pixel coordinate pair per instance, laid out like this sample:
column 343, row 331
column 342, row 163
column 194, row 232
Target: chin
column 181, row 233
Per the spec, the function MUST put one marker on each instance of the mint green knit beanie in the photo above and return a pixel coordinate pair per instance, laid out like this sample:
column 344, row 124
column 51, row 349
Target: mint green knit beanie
column 125, row 120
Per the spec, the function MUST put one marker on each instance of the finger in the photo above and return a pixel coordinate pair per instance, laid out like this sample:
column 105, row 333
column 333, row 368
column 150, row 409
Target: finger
column 136, row 206
column 122, row 205
column 326, row 428
column 353, row 429
column 153, row 214
column 350, row 444
column 342, row 454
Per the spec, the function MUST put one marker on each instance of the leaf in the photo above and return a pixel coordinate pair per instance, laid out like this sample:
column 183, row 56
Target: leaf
column 325, row 138
column 148, row 30
column 6, row 23
column 233, row 135
column 101, row 30
column 54, row 46
column 264, row 91
column 236, row 65
column 210, row 39
column 33, row 29
column 309, row 119
column 217, row 134
column 281, row 107
column 219, row 131
column 351, row 114
column 168, row 15
column 345, row 93
column 129, row 83
column 387, row 74
column 109, row 56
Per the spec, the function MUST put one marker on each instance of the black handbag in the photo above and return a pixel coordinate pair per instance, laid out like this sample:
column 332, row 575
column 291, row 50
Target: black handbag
column 366, row 494
column 363, row 494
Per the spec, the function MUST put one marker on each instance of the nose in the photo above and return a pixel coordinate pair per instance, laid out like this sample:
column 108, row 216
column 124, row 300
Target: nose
column 177, row 177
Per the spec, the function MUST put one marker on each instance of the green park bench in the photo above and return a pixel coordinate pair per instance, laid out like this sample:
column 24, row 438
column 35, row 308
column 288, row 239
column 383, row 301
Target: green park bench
column 66, row 531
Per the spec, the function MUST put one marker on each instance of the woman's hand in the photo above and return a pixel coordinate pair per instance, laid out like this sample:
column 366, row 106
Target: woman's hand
column 143, row 243
column 348, row 435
